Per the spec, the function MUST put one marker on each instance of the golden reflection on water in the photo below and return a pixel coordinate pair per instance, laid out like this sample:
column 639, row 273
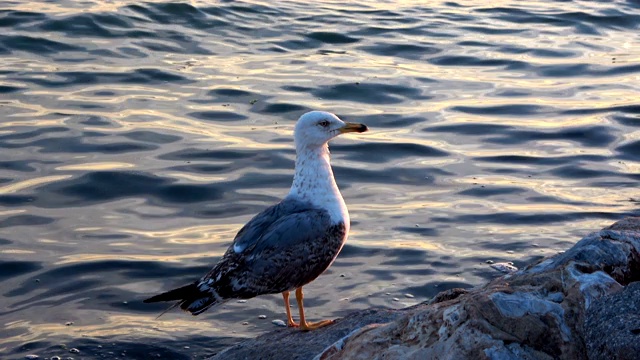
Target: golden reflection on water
column 32, row 123
column 557, row 188
column 93, row 98
column 626, row 167
column 421, row 244
column 98, row 166
column 8, row 213
column 92, row 257
column 198, row 178
column 113, row 325
column 26, row 184
column 202, row 234
column 16, row 251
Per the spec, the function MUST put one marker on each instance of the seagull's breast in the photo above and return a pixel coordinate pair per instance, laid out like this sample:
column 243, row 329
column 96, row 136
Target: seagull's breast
column 314, row 183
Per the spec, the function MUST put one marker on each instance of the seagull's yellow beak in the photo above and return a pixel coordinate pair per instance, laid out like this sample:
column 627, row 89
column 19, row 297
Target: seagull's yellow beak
column 353, row 127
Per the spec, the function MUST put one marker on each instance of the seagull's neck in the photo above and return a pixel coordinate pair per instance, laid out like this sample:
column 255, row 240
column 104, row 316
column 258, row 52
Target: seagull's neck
column 314, row 182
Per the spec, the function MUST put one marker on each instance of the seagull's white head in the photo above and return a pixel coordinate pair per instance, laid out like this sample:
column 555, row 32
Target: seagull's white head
column 315, row 128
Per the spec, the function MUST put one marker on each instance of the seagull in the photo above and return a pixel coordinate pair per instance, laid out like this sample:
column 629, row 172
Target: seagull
column 289, row 244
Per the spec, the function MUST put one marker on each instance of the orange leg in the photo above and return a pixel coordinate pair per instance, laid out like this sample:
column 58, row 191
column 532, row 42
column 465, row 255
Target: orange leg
column 287, row 306
column 304, row 325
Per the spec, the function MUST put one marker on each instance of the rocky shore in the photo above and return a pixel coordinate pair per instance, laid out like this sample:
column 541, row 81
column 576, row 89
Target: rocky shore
column 580, row 304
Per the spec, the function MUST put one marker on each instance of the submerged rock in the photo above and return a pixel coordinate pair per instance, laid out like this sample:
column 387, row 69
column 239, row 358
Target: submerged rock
column 569, row 306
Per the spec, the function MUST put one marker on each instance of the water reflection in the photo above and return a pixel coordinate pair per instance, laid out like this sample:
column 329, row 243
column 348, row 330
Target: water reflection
column 137, row 138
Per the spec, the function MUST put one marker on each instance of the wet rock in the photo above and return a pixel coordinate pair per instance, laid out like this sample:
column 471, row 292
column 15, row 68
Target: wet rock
column 504, row 267
column 574, row 305
column 279, row 323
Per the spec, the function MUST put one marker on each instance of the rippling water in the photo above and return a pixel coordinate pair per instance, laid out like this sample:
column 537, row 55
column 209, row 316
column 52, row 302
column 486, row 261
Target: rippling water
column 137, row 137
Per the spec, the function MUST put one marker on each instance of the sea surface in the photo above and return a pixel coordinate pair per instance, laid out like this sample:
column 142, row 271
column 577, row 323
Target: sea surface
column 137, row 137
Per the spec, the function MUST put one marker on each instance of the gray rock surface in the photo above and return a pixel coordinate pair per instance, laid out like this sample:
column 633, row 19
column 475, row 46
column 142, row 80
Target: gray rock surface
column 294, row 344
column 569, row 306
column 612, row 328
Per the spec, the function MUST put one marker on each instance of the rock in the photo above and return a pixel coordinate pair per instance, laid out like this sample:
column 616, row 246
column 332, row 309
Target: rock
column 613, row 326
column 300, row 345
column 573, row 305
column 504, row 267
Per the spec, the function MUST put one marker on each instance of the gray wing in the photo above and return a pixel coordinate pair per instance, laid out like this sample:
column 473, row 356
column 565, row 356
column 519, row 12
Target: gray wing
column 290, row 238
column 253, row 230
column 292, row 251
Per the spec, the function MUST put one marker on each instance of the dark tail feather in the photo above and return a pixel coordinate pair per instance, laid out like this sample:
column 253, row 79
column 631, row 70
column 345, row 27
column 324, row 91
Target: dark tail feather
column 180, row 293
column 191, row 298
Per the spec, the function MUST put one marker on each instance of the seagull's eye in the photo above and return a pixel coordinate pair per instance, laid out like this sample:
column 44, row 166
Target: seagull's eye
column 324, row 123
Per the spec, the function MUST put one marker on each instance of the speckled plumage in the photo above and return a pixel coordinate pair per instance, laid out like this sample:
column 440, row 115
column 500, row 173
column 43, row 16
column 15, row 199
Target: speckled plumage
column 285, row 247
column 288, row 244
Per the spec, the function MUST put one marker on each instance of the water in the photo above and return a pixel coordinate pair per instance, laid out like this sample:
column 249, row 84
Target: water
column 137, row 137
